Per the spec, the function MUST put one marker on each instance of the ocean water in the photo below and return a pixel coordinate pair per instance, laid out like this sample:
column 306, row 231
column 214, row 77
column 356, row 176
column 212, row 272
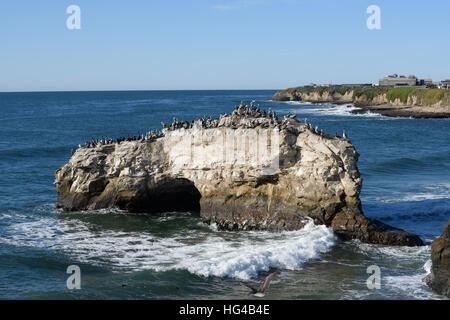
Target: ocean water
column 406, row 183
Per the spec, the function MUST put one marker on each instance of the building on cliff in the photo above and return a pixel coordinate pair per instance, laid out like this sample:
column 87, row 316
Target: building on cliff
column 445, row 84
column 395, row 80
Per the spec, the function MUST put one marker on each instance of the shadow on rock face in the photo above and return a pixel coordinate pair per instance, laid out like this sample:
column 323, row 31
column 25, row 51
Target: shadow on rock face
column 171, row 194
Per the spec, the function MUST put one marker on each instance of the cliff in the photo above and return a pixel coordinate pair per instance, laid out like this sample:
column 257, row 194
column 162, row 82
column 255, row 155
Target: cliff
column 401, row 101
column 439, row 278
column 249, row 170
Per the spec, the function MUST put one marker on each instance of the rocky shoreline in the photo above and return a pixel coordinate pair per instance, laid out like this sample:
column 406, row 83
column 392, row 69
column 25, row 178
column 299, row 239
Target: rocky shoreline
column 404, row 112
column 248, row 170
column 415, row 104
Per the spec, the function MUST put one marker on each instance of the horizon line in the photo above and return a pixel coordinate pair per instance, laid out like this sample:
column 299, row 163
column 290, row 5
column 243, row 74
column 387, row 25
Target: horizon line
column 133, row 90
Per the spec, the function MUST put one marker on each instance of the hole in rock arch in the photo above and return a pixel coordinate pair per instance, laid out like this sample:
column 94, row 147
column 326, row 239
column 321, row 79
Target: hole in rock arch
column 171, row 194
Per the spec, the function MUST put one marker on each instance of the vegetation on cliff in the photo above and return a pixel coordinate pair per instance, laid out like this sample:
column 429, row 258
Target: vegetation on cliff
column 427, row 96
column 320, row 90
column 423, row 96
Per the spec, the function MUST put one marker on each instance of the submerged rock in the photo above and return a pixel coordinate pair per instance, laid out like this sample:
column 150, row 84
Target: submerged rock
column 439, row 278
column 249, row 170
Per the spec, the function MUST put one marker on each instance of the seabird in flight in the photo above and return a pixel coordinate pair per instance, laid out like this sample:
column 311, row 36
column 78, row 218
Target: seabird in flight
column 262, row 288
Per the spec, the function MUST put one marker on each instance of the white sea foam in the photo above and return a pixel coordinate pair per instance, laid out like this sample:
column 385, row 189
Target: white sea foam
column 423, row 196
column 427, row 266
column 338, row 110
column 244, row 259
column 435, row 191
column 329, row 109
column 205, row 253
column 398, row 252
column 405, row 280
column 297, row 102
column 413, row 285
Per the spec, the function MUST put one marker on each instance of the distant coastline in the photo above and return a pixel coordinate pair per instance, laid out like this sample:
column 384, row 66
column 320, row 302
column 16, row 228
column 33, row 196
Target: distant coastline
column 415, row 102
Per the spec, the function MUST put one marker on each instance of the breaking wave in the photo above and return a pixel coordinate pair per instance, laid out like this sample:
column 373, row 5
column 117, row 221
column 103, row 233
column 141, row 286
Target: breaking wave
column 329, row 109
column 201, row 250
column 288, row 250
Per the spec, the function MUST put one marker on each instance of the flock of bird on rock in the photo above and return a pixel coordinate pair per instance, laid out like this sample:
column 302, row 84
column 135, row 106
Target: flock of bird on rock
column 243, row 116
column 149, row 136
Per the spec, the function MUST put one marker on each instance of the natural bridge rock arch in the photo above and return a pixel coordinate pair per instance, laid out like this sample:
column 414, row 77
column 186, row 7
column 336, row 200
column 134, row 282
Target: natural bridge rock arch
column 283, row 175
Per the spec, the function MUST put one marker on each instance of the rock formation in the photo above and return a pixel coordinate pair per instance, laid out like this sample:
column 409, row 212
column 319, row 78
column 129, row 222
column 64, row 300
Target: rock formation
column 249, row 170
column 439, row 278
column 314, row 96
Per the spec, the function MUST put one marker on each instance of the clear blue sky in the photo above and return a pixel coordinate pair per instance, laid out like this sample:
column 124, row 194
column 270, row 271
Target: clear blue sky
column 218, row 44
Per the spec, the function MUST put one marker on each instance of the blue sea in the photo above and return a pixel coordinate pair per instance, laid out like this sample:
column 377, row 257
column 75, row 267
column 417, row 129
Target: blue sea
column 406, row 183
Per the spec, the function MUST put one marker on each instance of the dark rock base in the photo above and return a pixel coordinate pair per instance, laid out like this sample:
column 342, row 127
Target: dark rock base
column 396, row 112
column 439, row 278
